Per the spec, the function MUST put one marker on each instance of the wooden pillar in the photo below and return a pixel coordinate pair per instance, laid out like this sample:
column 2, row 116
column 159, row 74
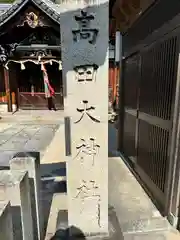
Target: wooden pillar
column 8, row 92
column 111, row 82
column 117, row 83
column 114, row 84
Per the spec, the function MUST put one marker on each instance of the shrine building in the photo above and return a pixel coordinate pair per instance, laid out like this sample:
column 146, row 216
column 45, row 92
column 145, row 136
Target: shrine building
column 29, row 41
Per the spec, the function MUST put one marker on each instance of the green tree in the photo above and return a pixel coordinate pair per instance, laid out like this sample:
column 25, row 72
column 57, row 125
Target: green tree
column 6, row 1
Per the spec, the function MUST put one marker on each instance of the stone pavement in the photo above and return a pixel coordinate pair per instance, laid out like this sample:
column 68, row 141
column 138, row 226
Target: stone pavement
column 32, row 115
column 27, row 131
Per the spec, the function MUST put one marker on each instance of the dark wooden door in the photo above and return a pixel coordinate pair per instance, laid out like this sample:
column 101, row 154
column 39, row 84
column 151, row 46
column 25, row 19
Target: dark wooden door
column 37, row 101
column 149, row 132
column 31, row 87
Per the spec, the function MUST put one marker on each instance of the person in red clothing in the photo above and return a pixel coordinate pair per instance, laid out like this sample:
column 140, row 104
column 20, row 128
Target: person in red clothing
column 49, row 91
column 51, row 104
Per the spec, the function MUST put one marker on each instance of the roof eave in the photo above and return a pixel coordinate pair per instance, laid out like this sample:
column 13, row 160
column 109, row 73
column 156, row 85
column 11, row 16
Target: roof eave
column 17, row 6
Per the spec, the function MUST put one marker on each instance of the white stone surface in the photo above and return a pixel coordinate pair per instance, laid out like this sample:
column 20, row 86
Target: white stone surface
column 3, row 108
column 87, row 177
column 14, row 107
column 14, row 186
column 32, row 166
column 6, row 229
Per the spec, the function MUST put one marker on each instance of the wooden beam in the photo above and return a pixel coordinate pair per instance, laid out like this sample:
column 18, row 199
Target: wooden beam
column 37, row 47
column 126, row 12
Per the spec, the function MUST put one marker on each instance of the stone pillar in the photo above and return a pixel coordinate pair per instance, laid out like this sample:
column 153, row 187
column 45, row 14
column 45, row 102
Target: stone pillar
column 84, row 41
column 14, row 186
column 6, row 229
column 26, row 162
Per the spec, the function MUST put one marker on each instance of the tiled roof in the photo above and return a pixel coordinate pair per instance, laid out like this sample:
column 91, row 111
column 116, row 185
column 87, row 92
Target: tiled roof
column 7, row 11
column 4, row 7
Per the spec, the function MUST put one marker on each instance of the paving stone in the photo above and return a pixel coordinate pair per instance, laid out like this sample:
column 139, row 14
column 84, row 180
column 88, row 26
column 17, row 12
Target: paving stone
column 12, row 131
column 147, row 236
column 25, row 137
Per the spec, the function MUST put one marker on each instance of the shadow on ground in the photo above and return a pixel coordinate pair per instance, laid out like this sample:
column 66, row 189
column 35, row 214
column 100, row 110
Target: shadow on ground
column 52, row 182
column 112, row 140
column 65, row 234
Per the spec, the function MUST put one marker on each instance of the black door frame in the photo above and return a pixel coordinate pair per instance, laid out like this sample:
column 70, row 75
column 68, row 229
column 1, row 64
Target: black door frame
column 172, row 183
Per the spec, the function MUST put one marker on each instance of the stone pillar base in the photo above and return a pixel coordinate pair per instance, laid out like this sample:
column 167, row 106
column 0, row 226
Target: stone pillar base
column 14, row 186
column 30, row 162
column 64, row 230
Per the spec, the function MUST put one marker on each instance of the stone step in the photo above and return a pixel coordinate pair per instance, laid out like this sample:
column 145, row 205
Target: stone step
column 138, row 216
column 145, row 225
column 154, row 228
column 158, row 235
column 147, row 236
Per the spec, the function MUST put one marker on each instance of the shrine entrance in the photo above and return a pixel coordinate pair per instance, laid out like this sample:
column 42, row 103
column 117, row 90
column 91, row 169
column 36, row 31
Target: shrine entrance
column 30, row 83
column 30, row 42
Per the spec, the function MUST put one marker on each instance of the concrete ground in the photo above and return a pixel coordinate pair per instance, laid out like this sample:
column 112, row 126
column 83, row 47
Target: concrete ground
column 27, row 131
